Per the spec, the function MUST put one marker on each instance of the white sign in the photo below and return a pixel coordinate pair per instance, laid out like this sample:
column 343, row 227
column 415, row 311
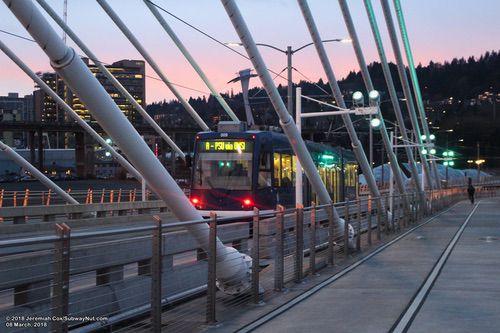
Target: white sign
column 366, row 110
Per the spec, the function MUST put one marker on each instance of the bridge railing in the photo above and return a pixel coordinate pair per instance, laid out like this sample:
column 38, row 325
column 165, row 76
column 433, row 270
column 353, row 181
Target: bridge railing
column 106, row 277
column 25, row 198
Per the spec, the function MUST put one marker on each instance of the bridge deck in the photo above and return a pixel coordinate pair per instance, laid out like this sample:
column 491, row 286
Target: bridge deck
column 373, row 297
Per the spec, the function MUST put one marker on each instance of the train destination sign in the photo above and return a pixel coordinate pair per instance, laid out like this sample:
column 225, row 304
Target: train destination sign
column 226, row 145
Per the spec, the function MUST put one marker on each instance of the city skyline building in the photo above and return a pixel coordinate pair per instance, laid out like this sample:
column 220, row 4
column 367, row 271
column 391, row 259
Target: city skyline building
column 130, row 73
column 15, row 109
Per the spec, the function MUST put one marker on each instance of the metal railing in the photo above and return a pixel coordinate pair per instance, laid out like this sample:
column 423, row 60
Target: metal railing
column 155, row 275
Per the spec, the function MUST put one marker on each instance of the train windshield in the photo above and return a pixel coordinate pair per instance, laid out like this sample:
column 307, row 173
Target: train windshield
column 223, row 164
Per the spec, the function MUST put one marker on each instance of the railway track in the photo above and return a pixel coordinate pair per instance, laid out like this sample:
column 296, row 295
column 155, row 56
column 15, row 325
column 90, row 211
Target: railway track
column 409, row 303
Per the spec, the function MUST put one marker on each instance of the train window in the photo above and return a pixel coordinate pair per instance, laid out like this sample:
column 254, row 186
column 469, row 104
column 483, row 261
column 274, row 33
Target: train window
column 230, row 171
column 277, row 169
column 287, row 170
column 264, row 178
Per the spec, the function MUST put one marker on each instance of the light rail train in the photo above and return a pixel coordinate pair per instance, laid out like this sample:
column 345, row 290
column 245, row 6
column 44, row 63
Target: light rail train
column 237, row 171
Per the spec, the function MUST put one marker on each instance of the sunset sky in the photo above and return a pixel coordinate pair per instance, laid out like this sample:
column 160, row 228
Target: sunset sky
column 438, row 29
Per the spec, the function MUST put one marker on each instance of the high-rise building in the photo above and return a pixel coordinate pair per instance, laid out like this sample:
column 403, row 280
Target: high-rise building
column 130, row 73
column 15, row 109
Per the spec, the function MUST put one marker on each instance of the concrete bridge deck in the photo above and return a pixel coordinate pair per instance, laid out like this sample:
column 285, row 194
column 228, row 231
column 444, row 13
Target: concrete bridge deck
column 441, row 276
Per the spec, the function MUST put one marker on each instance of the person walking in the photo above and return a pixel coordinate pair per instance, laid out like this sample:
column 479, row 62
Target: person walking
column 471, row 190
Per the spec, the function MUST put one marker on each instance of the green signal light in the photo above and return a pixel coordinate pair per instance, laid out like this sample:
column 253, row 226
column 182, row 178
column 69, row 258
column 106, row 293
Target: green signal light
column 327, row 157
column 445, row 163
column 221, row 164
column 228, row 164
column 451, row 163
column 424, row 151
column 445, row 153
column 451, row 154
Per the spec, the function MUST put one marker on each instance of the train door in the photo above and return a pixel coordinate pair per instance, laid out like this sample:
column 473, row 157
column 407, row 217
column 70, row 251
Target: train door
column 284, row 178
column 264, row 193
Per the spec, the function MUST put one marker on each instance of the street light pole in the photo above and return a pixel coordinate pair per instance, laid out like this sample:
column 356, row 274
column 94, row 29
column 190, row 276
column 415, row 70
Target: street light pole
column 289, row 54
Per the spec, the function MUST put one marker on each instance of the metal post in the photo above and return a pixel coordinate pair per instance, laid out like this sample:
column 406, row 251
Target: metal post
column 299, row 243
column 415, row 209
column 331, row 235
column 379, row 217
column 60, row 286
column 370, row 213
column 388, row 224
column 346, row 230
column 212, row 270
column 298, row 168
column 143, row 189
column 312, row 241
column 255, row 256
column 289, row 54
column 279, row 249
column 156, row 268
column 396, row 213
column 358, row 229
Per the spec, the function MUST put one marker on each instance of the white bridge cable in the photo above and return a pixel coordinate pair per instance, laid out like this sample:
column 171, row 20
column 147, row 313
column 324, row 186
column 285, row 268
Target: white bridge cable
column 190, row 59
column 286, row 121
column 130, row 36
column 396, row 171
column 405, row 85
column 111, row 77
column 355, row 143
column 414, row 79
column 119, row 158
column 392, row 91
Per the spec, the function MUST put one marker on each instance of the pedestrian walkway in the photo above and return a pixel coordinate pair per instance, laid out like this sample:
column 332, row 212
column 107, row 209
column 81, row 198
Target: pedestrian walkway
column 375, row 296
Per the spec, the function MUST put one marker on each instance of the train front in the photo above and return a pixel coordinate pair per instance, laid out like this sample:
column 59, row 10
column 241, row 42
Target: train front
column 225, row 170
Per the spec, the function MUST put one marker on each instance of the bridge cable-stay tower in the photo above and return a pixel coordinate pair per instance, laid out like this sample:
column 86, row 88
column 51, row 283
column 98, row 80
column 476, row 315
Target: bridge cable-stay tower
column 406, row 89
column 190, row 59
column 393, row 95
column 337, row 94
column 111, row 77
column 135, row 42
column 232, row 270
column 396, row 171
column 119, row 158
column 414, row 80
